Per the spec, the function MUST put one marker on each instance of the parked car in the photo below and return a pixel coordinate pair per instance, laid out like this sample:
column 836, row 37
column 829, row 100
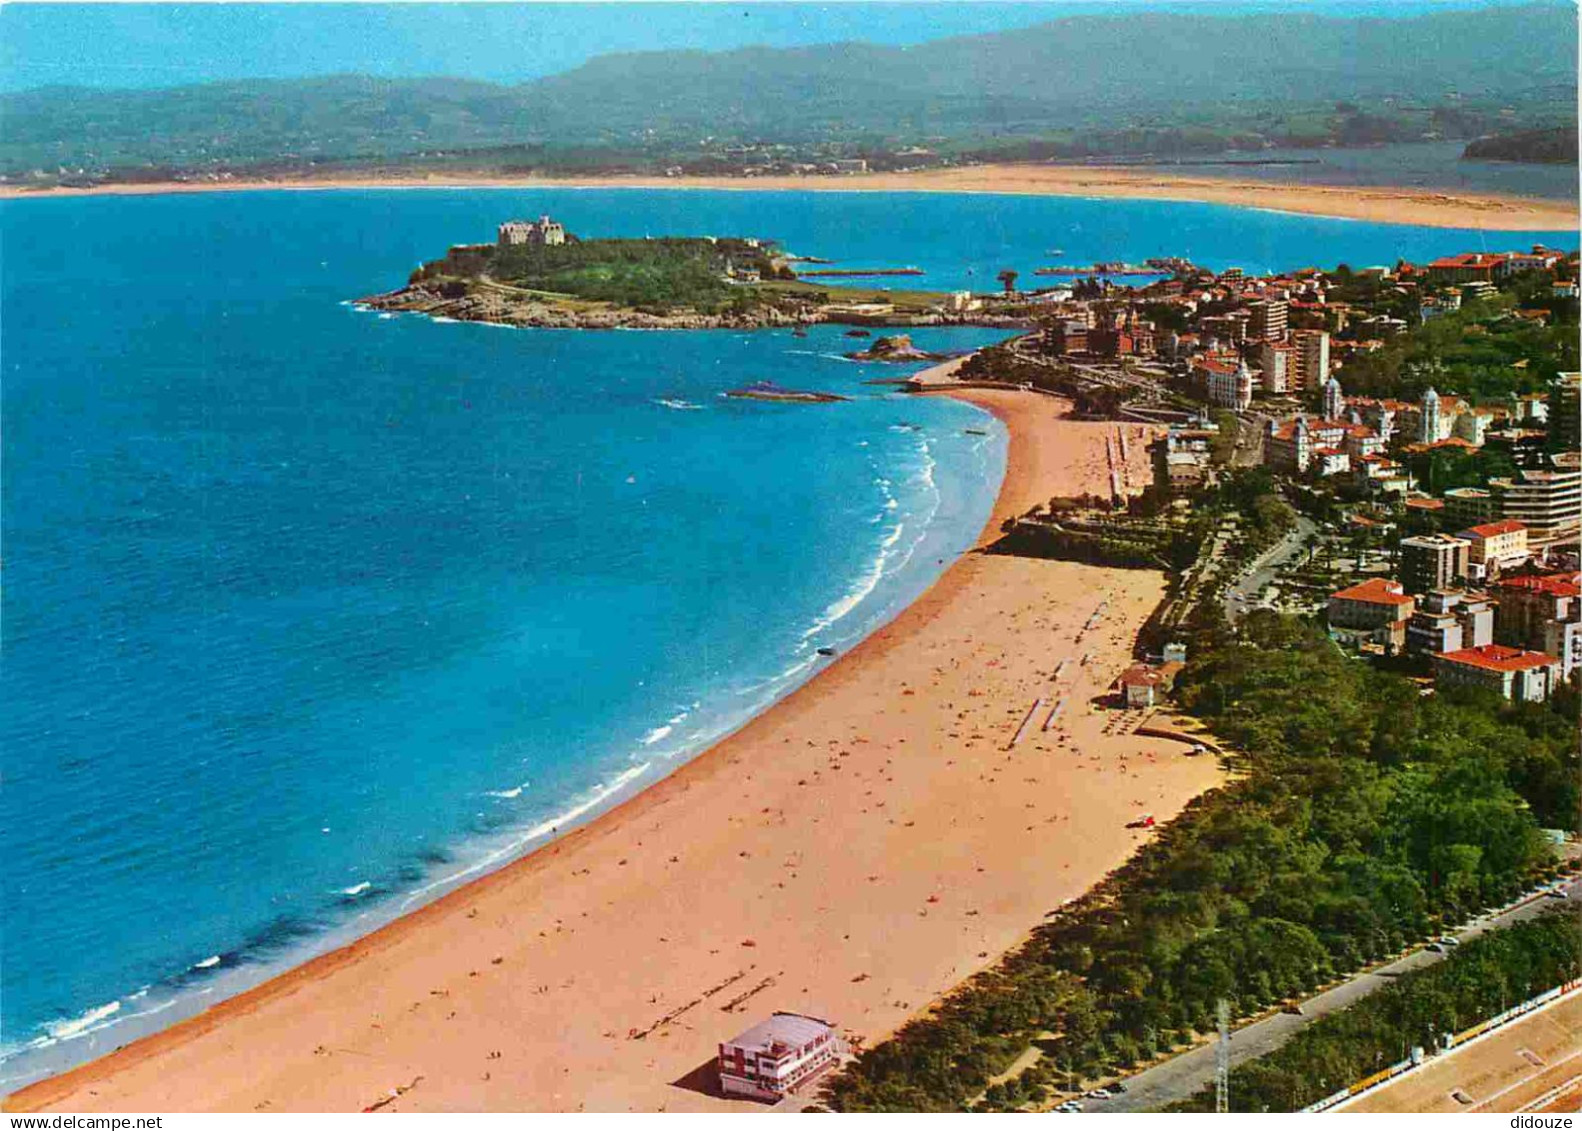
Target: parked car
column 1435, row 947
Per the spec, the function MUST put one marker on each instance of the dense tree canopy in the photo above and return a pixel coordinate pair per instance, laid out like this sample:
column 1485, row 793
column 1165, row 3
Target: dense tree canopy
column 658, row 274
column 1479, row 980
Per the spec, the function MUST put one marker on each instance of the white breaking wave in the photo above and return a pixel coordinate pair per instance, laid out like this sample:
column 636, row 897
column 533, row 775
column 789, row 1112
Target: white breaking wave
column 77, row 1026
column 864, row 585
column 825, row 356
column 660, row 733
column 678, row 404
column 208, row 963
column 929, row 464
column 594, row 798
column 780, row 677
column 357, row 889
column 509, row 794
column 887, row 560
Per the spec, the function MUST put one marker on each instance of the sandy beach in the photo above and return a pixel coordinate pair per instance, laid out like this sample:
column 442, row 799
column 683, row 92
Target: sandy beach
column 1421, row 206
column 853, row 853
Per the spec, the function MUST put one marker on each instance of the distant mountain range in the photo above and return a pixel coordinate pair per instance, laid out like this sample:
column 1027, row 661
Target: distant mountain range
column 1110, row 83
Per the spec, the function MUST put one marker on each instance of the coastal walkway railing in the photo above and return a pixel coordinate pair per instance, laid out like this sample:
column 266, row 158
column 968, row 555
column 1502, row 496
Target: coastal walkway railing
column 1456, row 1041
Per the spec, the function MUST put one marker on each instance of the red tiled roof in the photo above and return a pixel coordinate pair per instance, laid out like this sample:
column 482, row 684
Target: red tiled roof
column 1426, row 504
column 1141, row 675
column 1468, row 259
column 1559, row 585
column 1494, row 529
column 1498, row 658
column 1374, row 591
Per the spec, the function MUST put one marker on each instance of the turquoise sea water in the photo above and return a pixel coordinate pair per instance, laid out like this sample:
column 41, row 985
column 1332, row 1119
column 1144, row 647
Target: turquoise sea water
column 310, row 613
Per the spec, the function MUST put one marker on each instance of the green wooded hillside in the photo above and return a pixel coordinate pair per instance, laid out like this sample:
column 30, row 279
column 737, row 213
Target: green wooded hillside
column 1145, row 81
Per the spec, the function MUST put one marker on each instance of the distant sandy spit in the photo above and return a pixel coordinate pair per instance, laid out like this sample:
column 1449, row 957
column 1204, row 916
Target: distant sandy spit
column 1420, row 206
column 854, row 852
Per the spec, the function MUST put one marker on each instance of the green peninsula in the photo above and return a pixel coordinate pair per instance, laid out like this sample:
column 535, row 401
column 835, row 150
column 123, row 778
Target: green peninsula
column 538, row 274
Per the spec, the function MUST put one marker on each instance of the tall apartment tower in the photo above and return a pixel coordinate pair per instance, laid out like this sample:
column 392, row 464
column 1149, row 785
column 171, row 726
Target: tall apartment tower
column 1432, row 561
column 1275, row 361
column 1266, row 320
column 1310, row 360
column 1565, row 410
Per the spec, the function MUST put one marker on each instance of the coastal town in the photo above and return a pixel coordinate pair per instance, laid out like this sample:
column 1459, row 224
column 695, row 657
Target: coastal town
column 799, row 558
column 1422, row 531
column 1456, row 517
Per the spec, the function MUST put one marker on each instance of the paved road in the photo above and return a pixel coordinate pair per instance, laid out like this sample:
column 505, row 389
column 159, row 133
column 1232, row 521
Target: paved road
column 1265, row 566
column 1182, row 1076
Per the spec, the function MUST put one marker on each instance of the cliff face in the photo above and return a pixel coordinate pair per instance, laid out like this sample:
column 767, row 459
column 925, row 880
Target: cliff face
column 489, row 302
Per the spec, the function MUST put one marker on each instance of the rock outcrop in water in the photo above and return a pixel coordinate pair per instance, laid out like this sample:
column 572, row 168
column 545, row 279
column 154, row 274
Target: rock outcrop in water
column 769, row 391
column 896, row 348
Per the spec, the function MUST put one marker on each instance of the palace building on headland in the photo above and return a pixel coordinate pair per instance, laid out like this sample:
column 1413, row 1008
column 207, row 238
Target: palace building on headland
column 542, row 232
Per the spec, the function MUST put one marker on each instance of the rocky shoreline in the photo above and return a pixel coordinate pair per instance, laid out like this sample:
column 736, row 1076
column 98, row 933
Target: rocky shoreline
column 504, row 309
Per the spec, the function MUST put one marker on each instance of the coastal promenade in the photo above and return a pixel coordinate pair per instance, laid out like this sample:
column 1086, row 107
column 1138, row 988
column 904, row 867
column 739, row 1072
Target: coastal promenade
column 853, row 853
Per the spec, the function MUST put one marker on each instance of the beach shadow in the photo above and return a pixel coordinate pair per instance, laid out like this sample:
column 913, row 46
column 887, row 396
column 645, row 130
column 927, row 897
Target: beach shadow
column 705, row 1081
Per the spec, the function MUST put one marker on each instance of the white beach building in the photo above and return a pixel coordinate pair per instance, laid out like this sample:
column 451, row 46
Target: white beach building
column 777, row 1056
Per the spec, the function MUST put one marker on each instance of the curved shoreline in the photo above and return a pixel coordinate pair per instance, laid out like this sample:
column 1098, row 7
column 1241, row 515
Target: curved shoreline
column 1425, row 207
column 576, row 811
column 703, row 837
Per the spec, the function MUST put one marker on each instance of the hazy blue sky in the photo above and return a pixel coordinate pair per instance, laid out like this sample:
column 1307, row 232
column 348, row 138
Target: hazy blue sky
column 143, row 45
